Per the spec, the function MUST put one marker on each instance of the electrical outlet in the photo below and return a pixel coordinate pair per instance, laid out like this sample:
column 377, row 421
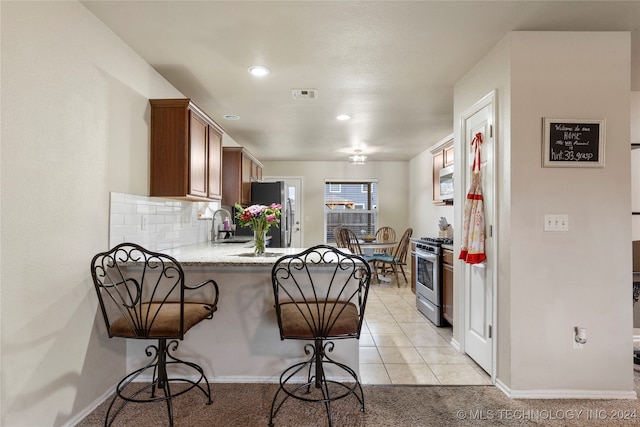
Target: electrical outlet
column 556, row 222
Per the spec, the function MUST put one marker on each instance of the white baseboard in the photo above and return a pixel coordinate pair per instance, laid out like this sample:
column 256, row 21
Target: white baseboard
column 456, row 345
column 89, row 409
column 92, row 407
column 565, row 394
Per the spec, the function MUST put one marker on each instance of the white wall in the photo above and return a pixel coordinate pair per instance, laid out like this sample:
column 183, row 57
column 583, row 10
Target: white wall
column 75, row 126
column 490, row 74
column 635, row 167
column 423, row 214
column 550, row 282
column 393, row 191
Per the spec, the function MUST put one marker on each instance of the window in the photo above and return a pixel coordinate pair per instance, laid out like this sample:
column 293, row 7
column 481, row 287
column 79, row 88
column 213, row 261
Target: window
column 334, row 188
column 354, row 206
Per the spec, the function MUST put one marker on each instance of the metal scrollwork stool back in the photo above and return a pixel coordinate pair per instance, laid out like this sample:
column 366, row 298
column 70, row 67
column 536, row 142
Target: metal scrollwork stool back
column 143, row 296
column 320, row 296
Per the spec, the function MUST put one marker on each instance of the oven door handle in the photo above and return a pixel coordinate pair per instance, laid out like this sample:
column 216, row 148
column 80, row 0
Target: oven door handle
column 427, row 255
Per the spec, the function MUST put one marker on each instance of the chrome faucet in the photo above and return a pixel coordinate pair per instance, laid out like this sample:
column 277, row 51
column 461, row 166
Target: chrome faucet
column 214, row 229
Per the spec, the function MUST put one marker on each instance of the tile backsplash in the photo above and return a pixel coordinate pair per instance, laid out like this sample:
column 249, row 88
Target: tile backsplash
column 157, row 223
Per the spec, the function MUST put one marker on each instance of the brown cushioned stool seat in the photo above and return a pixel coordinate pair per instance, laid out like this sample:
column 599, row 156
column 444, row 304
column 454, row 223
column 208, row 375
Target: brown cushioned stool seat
column 326, row 318
column 166, row 322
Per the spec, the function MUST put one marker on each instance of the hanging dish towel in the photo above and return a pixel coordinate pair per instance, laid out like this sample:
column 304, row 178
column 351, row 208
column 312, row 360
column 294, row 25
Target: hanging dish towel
column 473, row 236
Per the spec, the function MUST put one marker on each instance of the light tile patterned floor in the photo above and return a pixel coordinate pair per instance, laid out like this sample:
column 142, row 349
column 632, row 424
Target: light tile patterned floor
column 398, row 345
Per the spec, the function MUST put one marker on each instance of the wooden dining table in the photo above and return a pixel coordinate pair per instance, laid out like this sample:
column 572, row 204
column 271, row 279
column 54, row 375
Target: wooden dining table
column 368, row 247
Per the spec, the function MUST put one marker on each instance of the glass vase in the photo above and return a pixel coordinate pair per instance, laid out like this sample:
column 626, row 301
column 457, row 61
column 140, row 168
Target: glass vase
column 259, row 239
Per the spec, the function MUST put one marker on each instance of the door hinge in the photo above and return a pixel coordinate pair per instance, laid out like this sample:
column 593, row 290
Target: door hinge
column 490, row 332
column 490, row 131
column 491, row 231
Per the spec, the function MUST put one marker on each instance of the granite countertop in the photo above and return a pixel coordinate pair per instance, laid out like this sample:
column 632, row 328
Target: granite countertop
column 226, row 254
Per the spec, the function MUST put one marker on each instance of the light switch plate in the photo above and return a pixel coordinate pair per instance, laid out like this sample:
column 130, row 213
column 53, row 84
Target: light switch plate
column 556, row 222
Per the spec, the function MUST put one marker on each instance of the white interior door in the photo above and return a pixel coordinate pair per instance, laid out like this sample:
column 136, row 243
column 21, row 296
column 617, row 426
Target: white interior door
column 478, row 283
column 293, row 196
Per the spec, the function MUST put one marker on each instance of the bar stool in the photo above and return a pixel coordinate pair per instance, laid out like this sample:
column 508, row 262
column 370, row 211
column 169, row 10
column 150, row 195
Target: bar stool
column 320, row 296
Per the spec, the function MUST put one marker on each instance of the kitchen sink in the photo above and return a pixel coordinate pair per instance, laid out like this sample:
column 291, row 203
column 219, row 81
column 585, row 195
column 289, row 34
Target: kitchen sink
column 266, row 254
column 236, row 240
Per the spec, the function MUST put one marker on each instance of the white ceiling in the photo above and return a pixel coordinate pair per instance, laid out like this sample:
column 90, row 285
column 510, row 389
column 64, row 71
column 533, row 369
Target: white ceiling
column 391, row 65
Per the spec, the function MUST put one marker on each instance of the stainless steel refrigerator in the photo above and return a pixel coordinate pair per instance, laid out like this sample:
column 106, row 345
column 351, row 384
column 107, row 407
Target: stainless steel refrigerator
column 265, row 193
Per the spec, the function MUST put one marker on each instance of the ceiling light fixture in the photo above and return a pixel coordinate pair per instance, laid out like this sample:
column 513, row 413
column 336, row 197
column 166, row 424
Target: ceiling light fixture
column 231, row 117
column 343, row 117
column 258, row 70
column 358, row 158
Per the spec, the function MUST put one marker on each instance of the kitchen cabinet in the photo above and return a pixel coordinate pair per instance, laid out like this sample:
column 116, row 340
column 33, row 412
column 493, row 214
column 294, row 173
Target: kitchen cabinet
column 442, row 158
column 239, row 169
column 448, row 155
column 447, row 285
column 186, row 151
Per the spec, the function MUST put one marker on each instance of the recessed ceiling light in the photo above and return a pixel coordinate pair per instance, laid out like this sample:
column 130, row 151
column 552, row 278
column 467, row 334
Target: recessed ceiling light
column 343, row 117
column 231, row 117
column 258, row 70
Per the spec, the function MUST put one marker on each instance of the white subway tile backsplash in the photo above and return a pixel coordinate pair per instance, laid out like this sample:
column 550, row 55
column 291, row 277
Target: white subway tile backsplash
column 117, row 197
column 167, row 223
column 145, row 209
column 133, row 220
column 166, row 209
column 122, row 208
column 117, row 219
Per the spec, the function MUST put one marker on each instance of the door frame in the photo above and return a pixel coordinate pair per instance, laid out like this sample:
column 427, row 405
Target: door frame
column 489, row 99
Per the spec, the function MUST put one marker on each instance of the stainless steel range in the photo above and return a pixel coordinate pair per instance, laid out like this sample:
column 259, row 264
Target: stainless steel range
column 428, row 270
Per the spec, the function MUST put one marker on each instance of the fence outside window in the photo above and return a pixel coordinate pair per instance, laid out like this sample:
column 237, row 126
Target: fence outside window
column 351, row 204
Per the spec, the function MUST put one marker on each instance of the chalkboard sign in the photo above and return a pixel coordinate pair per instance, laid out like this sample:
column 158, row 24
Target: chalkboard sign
column 573, row 143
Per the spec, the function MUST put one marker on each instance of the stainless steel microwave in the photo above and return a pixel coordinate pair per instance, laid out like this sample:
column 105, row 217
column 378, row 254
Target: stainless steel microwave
column 446, row 183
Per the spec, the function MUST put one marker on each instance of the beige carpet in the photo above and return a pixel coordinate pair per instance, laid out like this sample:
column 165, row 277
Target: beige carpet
column 248, row 405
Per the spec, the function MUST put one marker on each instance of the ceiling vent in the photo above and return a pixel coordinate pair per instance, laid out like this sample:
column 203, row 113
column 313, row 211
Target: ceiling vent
column 304, row 94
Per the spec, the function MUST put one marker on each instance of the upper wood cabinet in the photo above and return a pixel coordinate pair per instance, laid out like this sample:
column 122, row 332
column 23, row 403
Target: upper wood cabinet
column 442, row 158
column 186, row 151
column 239, row 170
column 447, row 153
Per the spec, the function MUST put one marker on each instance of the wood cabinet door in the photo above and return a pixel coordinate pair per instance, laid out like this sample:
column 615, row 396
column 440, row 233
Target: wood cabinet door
column 448, row 156
column 214, row 164
column 197, row 156
column 256, row 172
column 246, row 179
column 438, row 162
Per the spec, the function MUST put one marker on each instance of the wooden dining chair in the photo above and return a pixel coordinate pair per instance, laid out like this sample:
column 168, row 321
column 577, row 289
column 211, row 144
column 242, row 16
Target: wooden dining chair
column 338, row 237
column 385, row 235
column 353, row 245
column 386, row 262
column 351, row 241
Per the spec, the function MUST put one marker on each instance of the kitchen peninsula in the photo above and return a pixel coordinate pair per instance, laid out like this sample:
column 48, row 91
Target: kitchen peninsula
column 242, row 341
